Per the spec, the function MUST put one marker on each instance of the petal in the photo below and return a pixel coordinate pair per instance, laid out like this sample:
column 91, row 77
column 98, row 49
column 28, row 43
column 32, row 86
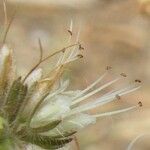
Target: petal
column 54, row 108
column 70, row 124
column 35, row 76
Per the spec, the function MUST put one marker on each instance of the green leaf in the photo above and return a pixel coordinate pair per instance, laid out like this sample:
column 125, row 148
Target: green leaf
column 46, row 127
column 15, row 98
column 65, row 134
column 45, row 141
column 1, row 123
column 6, row 144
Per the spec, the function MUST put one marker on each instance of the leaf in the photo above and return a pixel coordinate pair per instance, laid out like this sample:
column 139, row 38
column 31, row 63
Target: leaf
column 48, row 126
column 6, row 70
column 65, row 134
column 15, row 98
column 45, row 141
column 6, row 144
column 1, row 123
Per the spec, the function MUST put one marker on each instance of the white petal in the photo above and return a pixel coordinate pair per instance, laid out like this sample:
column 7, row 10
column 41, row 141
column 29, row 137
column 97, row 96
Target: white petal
column 4, row 53
column 55, row 108
column 72, row 94
column 79, row 121
column 33, row 77
column 64, row 84
column 73, row 123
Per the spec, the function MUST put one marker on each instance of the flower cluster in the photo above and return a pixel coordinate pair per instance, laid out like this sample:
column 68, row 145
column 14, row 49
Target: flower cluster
column 38, row 111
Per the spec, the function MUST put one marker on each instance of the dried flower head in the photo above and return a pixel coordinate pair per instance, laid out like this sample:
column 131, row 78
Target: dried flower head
column 37, row 111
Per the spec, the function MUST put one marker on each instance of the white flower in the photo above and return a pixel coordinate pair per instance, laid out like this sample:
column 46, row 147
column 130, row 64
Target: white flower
column 37, row 111
column 40, row 111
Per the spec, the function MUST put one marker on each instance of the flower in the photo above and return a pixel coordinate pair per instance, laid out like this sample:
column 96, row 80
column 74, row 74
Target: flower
column 39, row 111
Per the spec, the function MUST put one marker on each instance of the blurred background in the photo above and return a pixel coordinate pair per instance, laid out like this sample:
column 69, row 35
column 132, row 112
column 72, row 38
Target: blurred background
column 114, row 33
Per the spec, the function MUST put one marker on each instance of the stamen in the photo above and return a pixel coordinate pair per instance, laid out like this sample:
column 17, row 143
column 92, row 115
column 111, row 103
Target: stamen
column 64, row 49
column 138, row 81
column 70, row 28
column 58, row 91
column 130, row 146
column 8, row 25
column 76, row 143
column 115, row 112
column 134, row 88
column 123, row 74
column 41, row 50
column 64, row 56
column 80, row 56
column 80, row 47
column 70, row 32
column 107, row 98
column 101, row 101
column 118, row 97
column 5, row 13
column 73, row 59
column 108, row 68
column 46, row 58
column 75, row 51
column 93, row 84
column 90, row 86
column 95, row 91
column 59, row 60
column 140, row 104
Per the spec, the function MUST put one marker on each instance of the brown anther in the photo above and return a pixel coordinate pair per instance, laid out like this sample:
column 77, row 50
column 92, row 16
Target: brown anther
column 70, row 32
column 108, row 68
column 118, row 97
column 137, row 80
column 80, row 47
column 123, row 74
column 63, row 50
column 140, row 104
column 80, row 56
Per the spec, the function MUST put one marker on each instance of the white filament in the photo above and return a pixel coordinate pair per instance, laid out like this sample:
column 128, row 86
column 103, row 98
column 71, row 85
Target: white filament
column 115, row 112
column 130, row 146
column 101, row 101
column 92, row 85
column 95, row 91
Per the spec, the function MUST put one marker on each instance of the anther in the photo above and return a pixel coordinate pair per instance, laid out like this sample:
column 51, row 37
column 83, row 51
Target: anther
column 118, row 97
column 80, row 56
column 108, row 68
column 140, row 104
column 137, row 80
column 80, row 47
column 70, row 32
column 123, row 75
column 63, row 50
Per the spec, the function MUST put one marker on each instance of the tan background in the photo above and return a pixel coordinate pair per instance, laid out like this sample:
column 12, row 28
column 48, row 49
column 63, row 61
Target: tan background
column 113, row 32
